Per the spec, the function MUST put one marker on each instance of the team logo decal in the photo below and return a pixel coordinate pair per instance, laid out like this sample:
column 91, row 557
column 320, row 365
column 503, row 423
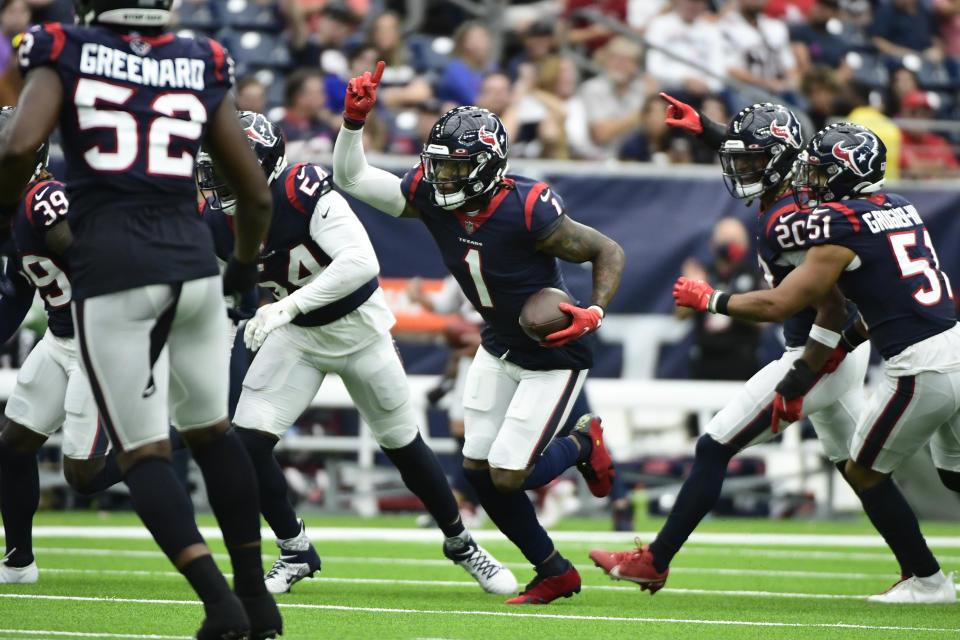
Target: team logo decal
column 469, row 226
column 259, row 131
column 789, row 133
column 858, row 158
column 490, row 139
column 140, row 47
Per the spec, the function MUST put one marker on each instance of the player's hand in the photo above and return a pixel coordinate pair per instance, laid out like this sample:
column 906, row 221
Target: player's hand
column 268, row 318
column 244, row 306
column 680, row 115
column 694, row 294
column 584, row 321
column 239, row 277
column 362, row 94
column 788, row 400
column 836, row 357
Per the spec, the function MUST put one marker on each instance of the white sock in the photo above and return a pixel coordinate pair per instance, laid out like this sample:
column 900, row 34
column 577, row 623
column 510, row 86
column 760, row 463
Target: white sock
column 458, row 541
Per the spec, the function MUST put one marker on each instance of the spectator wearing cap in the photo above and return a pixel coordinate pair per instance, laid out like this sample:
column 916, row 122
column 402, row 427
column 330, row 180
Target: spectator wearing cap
column 759, row 50
column 462, row 76
column 538, row 41
column 251, row 94
column 318, row 40
column 924, row 154
column 904, row 27
column 307, row 123
column 686, row 52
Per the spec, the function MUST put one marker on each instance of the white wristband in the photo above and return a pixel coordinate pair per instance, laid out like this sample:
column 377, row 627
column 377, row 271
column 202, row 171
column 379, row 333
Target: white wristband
column 600, row 309
column 824, row 336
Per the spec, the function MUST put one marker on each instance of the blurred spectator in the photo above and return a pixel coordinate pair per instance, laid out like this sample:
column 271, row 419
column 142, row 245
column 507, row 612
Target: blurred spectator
column 413, row 127
column 497, row 95
column 724, row 348
column 463, row 75
column 542, row 113
column 362, row 57
column 318, row 38
column 790, row 11
column 15, row 17
column 868, row 111
column 684, row 33
column 821, row 90
column 948, row 24
column 655, row 141
column 590, row 34
column 641, row 12
column 759, row 49
column 924, row 154
column 251, row 95
column 307, row 124
column 823, row 39
column 609, row 104
column 903, row 27
column 902, row 83
column 539, row 42
column 400, row 85
column 52, row 11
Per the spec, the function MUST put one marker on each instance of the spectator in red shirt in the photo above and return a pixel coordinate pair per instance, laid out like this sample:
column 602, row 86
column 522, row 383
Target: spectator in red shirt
column 924, row 154
column 591, row 34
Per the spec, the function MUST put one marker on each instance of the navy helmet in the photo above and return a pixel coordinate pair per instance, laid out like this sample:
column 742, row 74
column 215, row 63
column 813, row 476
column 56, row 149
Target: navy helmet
column 42, row 155
column 266, row 140
column 843, row 160
column 759, row 149
column 127, row 13
column 465, row 155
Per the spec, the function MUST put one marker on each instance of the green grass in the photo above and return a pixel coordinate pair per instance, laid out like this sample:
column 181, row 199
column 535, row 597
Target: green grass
column 384, row 588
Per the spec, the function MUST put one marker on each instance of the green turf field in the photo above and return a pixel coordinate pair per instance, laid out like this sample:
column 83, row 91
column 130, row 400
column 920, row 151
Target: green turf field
column 102, row 578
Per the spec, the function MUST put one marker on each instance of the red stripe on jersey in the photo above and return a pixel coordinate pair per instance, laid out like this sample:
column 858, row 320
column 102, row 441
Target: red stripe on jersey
column 484, row 214
column 847, row 211
column 219, row 57
column 779, row 212
column 414, row 182
column 154, row 40
column 531, row 201
column 59, row 38
column 290, row 184
column 878, row 198
column 28, row 199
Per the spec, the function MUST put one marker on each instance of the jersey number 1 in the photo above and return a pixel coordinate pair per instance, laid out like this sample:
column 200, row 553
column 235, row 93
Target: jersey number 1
column 899, row 243
column 472, row 258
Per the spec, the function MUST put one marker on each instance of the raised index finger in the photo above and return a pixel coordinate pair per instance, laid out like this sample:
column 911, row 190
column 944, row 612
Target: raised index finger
column 671, row 99
column 379, row 72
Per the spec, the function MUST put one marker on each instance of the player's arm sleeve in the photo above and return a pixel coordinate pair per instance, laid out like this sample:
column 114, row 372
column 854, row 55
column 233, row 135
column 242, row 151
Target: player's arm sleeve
column 713, row 132
column 336, row 229
column 14, row 307
column 378, row 188
column 543, row 210
column 40, row 46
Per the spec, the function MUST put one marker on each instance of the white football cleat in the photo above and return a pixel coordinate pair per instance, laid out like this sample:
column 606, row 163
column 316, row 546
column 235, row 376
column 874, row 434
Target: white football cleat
column 298, row 560
column 18, row 575
column 936, row 589
column 485, row 569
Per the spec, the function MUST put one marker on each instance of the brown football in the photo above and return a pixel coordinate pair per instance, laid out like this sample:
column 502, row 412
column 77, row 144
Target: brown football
column 541, row 314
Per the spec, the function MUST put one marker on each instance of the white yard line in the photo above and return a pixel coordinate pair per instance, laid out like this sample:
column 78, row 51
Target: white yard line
column 80, row 634
column 514, row 614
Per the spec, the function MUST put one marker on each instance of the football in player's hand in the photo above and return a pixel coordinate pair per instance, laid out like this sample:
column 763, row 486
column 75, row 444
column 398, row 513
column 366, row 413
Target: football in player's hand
column 541, row 314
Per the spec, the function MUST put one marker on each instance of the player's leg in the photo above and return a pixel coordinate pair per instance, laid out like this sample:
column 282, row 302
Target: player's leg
column 121, row 337
column 199, row 385
column 33, row 414
column 278, row 387
column 377, row 383
column 945, row 448
column 901, row 416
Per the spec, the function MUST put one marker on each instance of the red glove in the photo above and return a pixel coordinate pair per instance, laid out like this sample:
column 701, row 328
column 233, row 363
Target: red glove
column 680, row 115
column 788, row 410
column 584, row 321
column 836, row 357
column 692, row 293
column 788, row 400
column 362, row 94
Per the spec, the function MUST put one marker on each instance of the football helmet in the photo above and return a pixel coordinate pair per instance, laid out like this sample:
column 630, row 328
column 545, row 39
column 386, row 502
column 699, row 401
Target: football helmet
column 759, row 149
column 127, row 13
column 266, row 140
column 42, row 156
column 842, row 161
column 465, row 155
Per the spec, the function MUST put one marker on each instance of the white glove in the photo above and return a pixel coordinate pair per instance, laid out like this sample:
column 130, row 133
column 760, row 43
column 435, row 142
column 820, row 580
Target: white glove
column 268, row 318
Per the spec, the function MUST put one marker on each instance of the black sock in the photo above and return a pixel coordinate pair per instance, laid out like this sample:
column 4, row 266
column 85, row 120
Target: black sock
column 274, row 498
column 206, row 579
column 697, row 497
column 247, row 571
column 559, row 455
column 423, row 475
column 106, row 477
column 514, row 515
column 905, row 571
column 555, row 565
column 458, row 481
column 892, row 516
column 163, row 505
column 19, row 499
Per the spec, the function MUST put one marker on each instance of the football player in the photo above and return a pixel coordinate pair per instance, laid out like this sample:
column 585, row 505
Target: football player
column 876, row 248
column 757, row 153
column 330, row 316
column 51, row 388
column 500, row 236
column 134, row 104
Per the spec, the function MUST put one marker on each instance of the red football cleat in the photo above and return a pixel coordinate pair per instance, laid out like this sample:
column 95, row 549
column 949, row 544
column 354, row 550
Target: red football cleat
column 598, row 470
column 636, row 566
column 546, row 589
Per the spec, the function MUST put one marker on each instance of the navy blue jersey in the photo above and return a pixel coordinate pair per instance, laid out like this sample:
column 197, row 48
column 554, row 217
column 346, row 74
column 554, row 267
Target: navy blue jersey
column 44, row 205
column 135, row 110
column 290, row 258
column 774, row 238
column 492, row 255
column 895, row 280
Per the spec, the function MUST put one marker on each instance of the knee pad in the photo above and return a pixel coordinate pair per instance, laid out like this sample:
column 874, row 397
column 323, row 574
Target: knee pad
column 394, row 436
column 950, row 479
